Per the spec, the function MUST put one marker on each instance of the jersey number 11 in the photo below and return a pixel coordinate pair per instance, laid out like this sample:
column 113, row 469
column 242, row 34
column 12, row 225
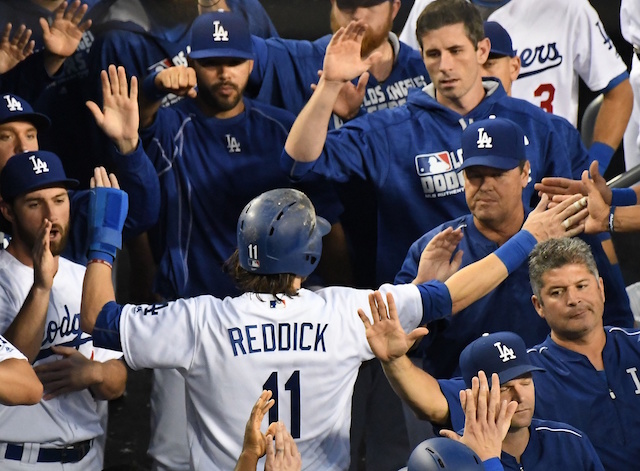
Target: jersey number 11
column 293, row 386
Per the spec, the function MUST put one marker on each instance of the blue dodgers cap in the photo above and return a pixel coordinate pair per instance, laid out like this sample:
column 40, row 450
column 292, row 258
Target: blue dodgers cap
column 220, row 34
column 14, row 108
column 501, row 44
column 31, row 171
column 502, row 352
column 496, row 143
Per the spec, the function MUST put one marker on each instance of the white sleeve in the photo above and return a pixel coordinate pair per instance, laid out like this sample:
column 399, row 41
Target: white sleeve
column 7, row 350
column 596, row 59
column 408, row 303
column 163, row 335
column 630, row 21
column 408, row 34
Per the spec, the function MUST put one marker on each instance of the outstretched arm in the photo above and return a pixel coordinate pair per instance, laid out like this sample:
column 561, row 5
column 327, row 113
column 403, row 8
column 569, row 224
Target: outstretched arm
column 179, row 80
column 342, row 63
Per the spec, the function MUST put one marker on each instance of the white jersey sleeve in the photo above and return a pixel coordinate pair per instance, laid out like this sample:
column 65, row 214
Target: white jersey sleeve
column 8, row 351
column 630, row 21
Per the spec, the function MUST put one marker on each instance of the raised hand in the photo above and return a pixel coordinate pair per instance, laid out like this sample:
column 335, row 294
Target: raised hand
column 350, row 97
column 63, row 36
column 255, row 442
column 101, row 179
column 566, row 219
column 45, row 265
column 487, row 417
column 598, row 219
column 435, row 261
column 179, row 80
column 565, row 186
column 16, row 49
column 342, row 60
column 385, row 335
column 119, row 118
column 282, row 455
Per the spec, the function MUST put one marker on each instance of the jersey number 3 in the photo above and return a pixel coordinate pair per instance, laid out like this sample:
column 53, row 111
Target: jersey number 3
column 293, row 386
column 547, row 91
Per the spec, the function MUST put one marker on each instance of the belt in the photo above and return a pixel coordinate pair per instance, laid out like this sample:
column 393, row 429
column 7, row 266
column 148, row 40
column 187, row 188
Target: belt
column 70, row 454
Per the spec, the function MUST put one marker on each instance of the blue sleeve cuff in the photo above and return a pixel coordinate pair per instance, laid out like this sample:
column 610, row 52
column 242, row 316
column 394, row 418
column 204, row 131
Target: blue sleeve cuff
column 295, row 170
column 615, row 82
column 516, row 250
column 436, row 301
column 106, row 332
column 131, row 161
column 451, row 390
column 493, row 464
column 602, row 153
column 623, row 197
column 149, row 88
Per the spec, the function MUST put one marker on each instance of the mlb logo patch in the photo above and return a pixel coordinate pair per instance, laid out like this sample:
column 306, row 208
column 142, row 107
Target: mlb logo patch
column 254, row 263
column 430, row 164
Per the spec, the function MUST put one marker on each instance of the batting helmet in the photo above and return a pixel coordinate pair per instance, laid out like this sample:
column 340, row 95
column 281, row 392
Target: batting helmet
column 279, row 232
column 440, row 453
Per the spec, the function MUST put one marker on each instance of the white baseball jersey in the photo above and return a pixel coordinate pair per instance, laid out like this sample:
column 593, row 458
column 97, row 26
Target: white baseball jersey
column 66, row 419
column 630, row 28
column 306, row 349
column 558, row 41
column 8, row 351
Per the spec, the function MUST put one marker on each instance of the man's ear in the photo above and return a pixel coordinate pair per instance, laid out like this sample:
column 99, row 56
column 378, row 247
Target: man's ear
column 537, row 304
column 395, row 8
column 514, row 67
column 484, row 47
column 7, row 211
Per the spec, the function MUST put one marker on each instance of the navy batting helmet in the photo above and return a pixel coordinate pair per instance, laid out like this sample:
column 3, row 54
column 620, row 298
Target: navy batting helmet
column 279, row 232
column 440, row 453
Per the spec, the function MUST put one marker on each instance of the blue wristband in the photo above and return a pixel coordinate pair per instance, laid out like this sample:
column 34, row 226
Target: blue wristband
column 150, row 90
column 602, row 153
column 107, row 214
column 516, row 250
column 623, row 197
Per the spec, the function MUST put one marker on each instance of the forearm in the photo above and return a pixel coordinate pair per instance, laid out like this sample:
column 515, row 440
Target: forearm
column 111, row 379
column 309, row 131
column 27, row 329
column 53, row 63
column 149, row 101
column 614, row 114
column 626, row 218
column 97, row 291
column 19, row 384
column 417, row 389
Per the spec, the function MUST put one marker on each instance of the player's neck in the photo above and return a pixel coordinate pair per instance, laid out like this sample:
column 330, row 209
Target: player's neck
column 591, row 345
column 382, row 68
column 500, row 232
column 215, row 112
column 21, row 252
column 516, row 441
column 466, row 103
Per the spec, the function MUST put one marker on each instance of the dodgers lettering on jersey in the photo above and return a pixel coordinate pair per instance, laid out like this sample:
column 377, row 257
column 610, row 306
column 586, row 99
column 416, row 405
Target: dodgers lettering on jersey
column 265, row 338
column 392, row 95
column 438, row 173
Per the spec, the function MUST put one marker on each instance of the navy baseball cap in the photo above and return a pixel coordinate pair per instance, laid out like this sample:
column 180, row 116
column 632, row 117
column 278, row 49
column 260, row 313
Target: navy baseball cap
column 220, row 34
column 496, row 143
column 501, row 44
column 14, row 108
column 31, row 171
column 353, row 4
column 502, row 352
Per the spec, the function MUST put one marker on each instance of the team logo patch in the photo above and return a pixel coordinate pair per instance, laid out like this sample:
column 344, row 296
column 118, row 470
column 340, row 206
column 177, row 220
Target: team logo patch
column 219, row 33
column 484, row 140
column 233, row 146
column 506, row 353
column 38, row 165
column 12, row 103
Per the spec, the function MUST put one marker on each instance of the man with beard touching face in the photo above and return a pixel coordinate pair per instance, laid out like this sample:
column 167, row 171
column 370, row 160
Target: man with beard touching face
column 214, row 151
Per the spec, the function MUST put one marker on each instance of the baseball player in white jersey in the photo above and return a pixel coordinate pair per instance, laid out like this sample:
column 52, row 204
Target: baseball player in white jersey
column 558, row 42
column 303, row 346
column 19, row 384
column 630, row 28
column 39, row 313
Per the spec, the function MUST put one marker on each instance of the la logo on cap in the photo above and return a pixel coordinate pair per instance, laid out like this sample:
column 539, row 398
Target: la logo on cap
column 38, row 165
column 484, row 140
column 12, row 103
column 219, row 33
column 506, row 353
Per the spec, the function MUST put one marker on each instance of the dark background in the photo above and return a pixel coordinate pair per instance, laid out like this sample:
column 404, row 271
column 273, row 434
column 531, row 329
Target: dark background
column 309, row 19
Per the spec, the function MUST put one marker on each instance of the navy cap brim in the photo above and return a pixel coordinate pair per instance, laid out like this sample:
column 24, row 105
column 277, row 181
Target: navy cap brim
column 512, row 373
column 353, row 4
column 492, row 161
column 66, row 183
column 227, row 53
column 40, row 121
